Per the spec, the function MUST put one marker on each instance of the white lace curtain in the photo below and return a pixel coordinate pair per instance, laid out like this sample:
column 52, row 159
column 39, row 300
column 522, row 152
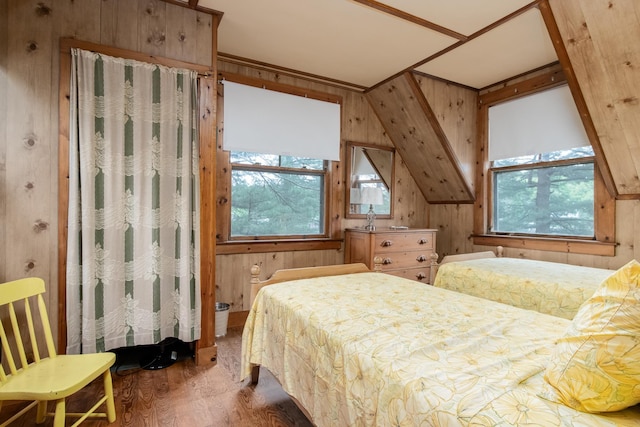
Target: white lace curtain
column 133, row 239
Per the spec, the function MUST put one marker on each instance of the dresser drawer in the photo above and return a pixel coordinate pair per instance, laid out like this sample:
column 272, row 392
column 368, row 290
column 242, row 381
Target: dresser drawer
column 395, row 242
column 395, row 260
column 405, row 253
column 420, row 274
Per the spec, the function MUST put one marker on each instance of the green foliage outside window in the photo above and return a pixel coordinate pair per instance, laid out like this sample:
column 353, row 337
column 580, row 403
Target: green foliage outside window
column 545, row 200
column 276, row 195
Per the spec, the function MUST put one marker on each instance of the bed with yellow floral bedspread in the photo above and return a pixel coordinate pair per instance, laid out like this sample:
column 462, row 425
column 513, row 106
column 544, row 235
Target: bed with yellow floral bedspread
column 371, row 349
column 548, row 287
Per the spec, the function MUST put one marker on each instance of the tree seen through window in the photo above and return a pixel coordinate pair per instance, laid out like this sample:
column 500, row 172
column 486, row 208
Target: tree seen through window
column 276, row 195
column 545, row 194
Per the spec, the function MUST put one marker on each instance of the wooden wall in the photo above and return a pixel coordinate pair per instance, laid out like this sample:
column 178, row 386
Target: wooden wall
column 29, row 34
column 602, row 43
column 627, row 239
column 29, row 71
column 455, row 107
column 455, row 222
column 4, row 36
column 359, row 124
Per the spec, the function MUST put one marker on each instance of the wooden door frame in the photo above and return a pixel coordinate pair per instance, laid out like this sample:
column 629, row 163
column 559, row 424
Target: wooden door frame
column 206, row 351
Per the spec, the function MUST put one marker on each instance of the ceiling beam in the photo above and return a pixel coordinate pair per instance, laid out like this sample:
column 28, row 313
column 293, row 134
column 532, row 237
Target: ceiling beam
column 459, row 43
column 193, row 4
column 411, row 18
column 234, row 59
column 480, row 32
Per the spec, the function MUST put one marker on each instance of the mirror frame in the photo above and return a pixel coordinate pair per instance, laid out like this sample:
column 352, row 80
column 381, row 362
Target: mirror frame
column 351, row 145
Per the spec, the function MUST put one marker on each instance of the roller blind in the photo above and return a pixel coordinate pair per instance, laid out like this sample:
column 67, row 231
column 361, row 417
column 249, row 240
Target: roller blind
column 361, row 164
column 540, row 123
column 266, row 121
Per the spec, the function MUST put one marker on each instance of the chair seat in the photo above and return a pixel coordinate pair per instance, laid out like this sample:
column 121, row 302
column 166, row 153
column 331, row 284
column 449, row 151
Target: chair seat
column 55, row 378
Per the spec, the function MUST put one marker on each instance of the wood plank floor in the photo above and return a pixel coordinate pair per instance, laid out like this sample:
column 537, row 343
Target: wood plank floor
column 187, row 395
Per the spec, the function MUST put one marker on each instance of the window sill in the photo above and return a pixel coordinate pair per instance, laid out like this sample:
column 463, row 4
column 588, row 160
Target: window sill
column 261, row 246
column 574, row 246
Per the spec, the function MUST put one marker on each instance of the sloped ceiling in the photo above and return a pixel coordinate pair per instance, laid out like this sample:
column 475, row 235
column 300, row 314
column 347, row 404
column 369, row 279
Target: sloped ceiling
column 602, row 41
column 363, row 43
column 412, row 125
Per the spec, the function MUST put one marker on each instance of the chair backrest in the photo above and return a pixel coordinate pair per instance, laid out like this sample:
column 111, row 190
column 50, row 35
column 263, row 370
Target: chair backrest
column 16, row 296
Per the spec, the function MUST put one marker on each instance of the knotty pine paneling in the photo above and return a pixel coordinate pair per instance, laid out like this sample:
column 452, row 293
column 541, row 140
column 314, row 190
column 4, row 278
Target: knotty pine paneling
column 455, row 108
column 411, row 122
column 152, row 34
column 119, row 23
column 29, row 72
column 31, row 160
column 204, row 41
column 4, row 36
column 601, row 40
column 455, row 227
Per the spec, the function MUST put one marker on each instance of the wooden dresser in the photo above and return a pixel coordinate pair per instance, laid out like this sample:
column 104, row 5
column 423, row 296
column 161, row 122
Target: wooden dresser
column 405, row 253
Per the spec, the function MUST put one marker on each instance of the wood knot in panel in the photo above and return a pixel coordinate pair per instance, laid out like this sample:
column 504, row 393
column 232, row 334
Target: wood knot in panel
column 29, row 265
column 42, row 9
column 32, row 46
column 151, row 8
column 157, row 38
column 30, row 141
column 40, row 225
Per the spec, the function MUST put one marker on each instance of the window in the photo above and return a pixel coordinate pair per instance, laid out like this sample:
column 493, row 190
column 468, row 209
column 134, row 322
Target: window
column 278, row 161
column 275, row 196
column 544, row 194
column 542, row 167
column 540, row 186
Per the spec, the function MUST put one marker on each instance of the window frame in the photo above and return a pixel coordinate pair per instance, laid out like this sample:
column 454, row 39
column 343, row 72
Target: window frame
column 333, row 186
column 529, row 166
column 281, row 169
column 604, row 203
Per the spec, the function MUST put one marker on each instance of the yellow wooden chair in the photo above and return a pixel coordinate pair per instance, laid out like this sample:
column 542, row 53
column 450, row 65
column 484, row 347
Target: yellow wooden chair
column 40, row 378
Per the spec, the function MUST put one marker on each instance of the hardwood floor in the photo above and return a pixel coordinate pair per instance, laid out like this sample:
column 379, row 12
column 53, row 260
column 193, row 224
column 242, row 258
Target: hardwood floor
column 186, row 395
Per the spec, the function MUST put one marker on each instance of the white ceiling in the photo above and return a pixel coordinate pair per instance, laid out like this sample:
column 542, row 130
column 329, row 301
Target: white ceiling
column 364, row 42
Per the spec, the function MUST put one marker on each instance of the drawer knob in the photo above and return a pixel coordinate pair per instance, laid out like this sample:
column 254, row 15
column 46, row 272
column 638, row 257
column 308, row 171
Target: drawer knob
column 387, row 261
column 423, row 241
column 421, row 276
column 386, row 243
column 421, row 258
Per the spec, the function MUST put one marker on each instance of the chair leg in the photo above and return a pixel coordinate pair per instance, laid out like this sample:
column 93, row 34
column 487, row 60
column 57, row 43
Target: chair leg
column 60, row 414
column 41, row 412
column 108, row 391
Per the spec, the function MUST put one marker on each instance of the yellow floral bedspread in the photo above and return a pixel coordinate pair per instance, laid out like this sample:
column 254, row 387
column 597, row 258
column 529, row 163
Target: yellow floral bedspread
column 548, row 287
column 372, row 349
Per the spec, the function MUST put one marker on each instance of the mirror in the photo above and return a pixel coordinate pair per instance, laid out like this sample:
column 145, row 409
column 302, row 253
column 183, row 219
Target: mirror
column 370, row 172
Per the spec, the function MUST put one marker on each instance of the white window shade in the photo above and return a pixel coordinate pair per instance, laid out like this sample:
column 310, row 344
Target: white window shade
column 539, row 123
column 361, row 165
column 265, row 121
